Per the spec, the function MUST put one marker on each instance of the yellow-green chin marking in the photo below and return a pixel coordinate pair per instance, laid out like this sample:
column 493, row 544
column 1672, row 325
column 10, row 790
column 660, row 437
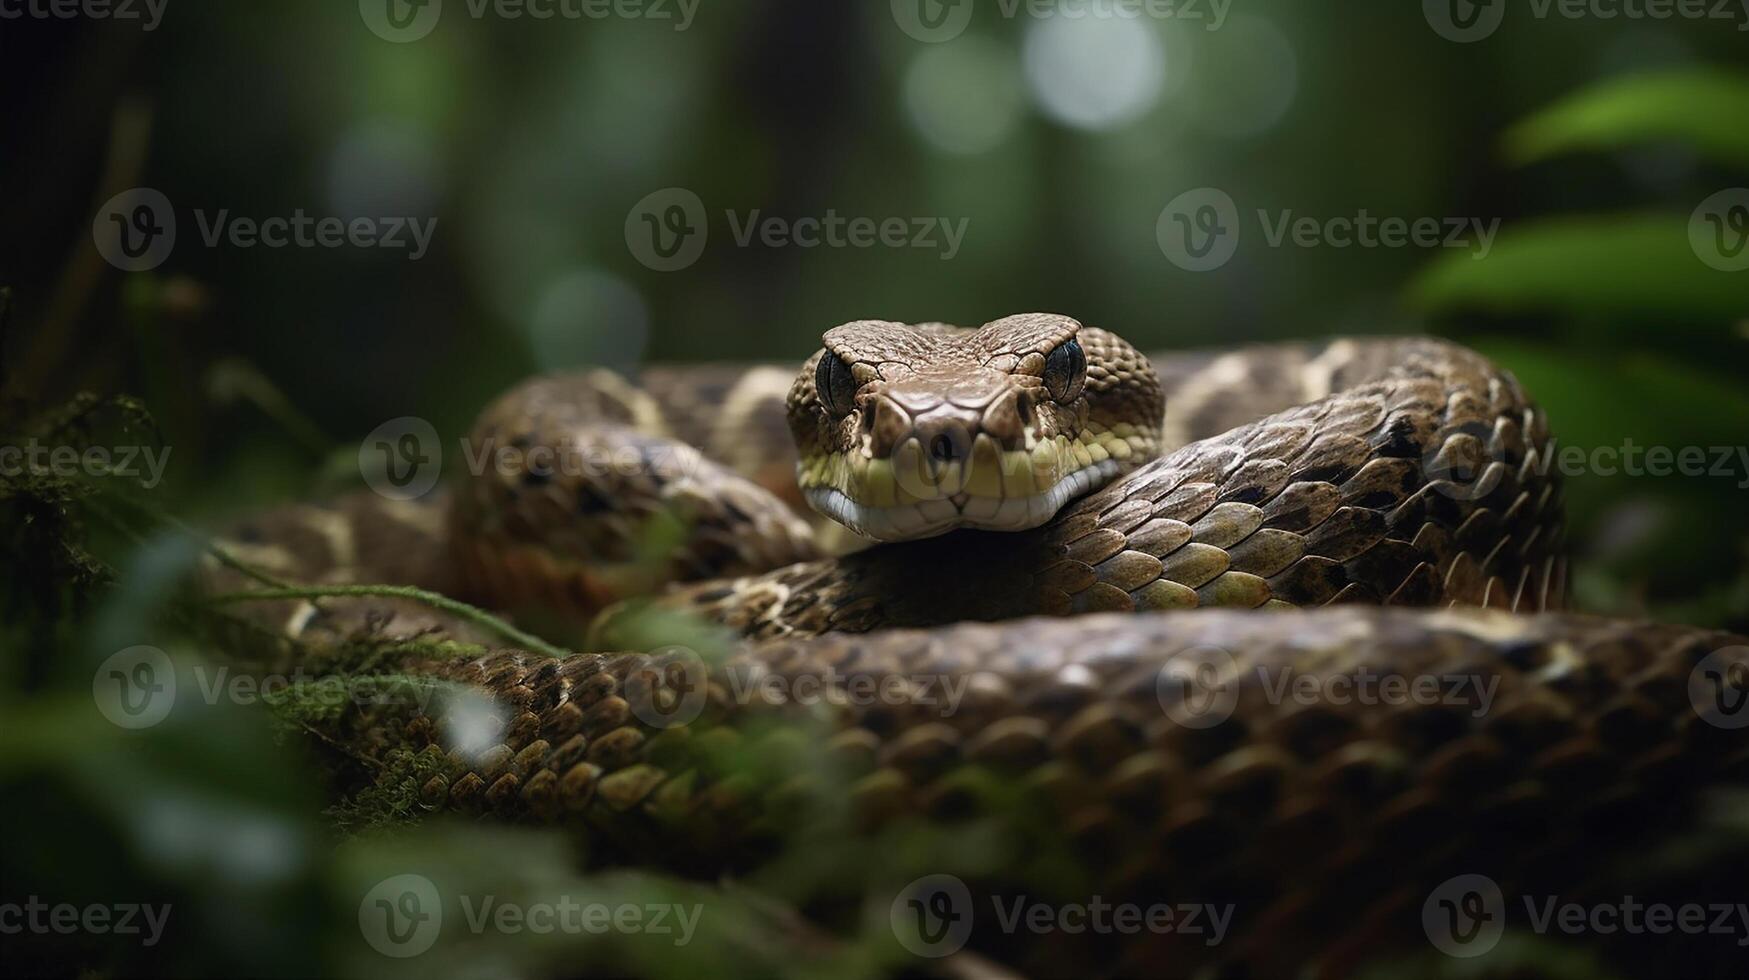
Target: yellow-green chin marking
column 910, row 495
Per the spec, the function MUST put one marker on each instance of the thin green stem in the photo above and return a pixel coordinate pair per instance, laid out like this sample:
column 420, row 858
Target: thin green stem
column 472, row 614
column 279, row 589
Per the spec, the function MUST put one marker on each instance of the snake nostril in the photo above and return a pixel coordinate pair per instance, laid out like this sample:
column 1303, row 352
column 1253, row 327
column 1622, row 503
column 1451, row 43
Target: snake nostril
column 1023, row 406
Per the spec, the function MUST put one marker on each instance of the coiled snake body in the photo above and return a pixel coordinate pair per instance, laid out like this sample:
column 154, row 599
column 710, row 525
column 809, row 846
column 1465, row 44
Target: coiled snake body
column 1176, row 756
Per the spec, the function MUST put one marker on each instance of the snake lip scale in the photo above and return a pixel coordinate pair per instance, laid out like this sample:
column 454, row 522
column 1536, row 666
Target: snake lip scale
column 940, row 516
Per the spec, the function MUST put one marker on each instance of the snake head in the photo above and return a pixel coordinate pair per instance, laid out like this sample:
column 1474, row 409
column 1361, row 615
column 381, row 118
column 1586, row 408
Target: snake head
column 912, row 431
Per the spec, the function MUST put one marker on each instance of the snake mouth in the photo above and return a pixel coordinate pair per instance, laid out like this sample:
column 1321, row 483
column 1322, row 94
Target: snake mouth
column 921, row 489
column 915, row 493
column 928, row 518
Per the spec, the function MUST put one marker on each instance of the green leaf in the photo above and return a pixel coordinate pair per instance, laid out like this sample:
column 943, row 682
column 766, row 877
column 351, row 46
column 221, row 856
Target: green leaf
column 1635, row 265
column 1606, row 394
column 1652, row 543
column 1704, row 110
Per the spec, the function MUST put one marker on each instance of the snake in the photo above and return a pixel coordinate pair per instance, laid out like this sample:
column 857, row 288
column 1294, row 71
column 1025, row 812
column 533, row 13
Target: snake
column 1061, row 596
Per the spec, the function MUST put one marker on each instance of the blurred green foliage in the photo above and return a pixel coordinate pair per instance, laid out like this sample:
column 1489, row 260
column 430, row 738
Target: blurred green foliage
column 1671, row 545
column 1595, row 140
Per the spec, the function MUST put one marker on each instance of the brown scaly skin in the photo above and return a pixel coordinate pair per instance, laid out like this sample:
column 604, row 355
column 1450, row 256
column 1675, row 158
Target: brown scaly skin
column 1423, row 484
column 1405, row 472
column 910, row 432
column 1324, row 825
column 565, row 532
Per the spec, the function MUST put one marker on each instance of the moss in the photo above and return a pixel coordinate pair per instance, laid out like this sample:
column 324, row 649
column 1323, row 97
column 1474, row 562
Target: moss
column 394, row 798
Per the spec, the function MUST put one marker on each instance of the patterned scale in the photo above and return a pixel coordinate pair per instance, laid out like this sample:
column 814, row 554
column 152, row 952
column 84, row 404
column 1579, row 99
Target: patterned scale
column 1423, row 486
column 1549, row 747
column 1352, row 475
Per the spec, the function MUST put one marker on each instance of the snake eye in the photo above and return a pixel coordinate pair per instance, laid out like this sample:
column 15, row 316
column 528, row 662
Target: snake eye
column 836, row 387
column 1065, row 371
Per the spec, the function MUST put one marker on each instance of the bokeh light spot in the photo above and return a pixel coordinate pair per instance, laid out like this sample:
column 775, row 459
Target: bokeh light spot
column 964, row 97
column 1094, row 72
column 588, row 317
column 383, row 168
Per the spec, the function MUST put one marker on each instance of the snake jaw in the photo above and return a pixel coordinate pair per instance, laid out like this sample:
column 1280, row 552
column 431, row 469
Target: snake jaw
column 928, row 518
column 927, row 429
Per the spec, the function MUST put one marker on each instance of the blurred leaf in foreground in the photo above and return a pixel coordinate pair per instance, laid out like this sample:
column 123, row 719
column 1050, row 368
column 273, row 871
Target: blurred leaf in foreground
column 1637, row 265
column 1704, row 110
